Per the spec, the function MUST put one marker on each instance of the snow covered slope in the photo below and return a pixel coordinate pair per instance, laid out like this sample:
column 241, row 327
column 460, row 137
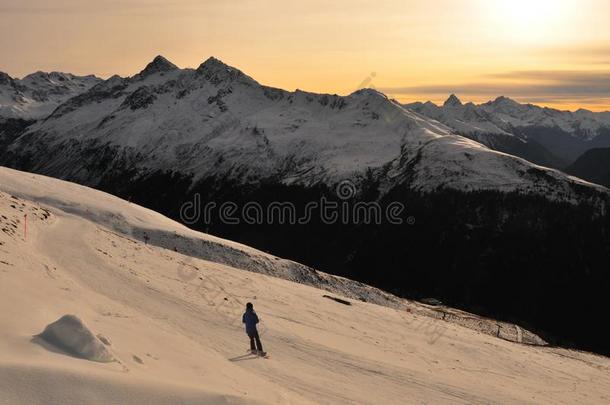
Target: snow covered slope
column 169, row 312
column 216, row 121
column 501, row 123
column 38, row 94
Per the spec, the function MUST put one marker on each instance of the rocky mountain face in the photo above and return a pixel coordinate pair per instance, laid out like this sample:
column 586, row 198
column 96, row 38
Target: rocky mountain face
column 480, row 229
column 544, row 136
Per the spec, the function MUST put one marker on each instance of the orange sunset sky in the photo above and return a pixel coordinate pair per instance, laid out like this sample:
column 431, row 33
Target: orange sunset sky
column 548, row 52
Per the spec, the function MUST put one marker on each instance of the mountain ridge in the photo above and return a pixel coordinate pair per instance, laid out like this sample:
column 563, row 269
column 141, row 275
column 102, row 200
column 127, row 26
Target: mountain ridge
column 170, row 114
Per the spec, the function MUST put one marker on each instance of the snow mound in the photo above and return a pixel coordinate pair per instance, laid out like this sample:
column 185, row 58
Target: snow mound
column 70, row 334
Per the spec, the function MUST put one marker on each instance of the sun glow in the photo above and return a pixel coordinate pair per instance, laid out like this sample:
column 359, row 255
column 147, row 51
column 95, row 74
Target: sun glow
column 528, row 20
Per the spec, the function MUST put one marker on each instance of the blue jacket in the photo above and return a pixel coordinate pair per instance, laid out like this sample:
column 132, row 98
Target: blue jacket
column 250, row 319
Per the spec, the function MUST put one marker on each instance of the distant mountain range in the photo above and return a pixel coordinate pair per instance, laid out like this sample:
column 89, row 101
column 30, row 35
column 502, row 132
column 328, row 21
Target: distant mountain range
column 489, row 225
column 545, row 136
column 38, row 94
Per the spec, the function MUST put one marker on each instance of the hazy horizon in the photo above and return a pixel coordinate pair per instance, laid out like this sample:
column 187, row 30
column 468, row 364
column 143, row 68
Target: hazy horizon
column 550, row 53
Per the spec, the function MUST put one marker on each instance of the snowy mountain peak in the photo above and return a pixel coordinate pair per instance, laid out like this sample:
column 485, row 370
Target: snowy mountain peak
column 502, row 100
column 216, row 71
column 5, row 79
column 452, row 101
column 46, row 76
column 157, row 65
column 41, row 77
column 368, row 92
column 212, row 64
column 213, row 61
column 38, row 75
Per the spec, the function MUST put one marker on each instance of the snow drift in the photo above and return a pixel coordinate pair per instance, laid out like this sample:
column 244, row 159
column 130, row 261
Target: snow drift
column 70, row 334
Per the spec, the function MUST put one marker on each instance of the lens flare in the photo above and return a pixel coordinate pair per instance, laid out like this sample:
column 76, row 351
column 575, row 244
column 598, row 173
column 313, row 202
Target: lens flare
column 531, row 20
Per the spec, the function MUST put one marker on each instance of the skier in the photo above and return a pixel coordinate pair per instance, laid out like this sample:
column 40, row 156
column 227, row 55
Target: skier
column 251, row 319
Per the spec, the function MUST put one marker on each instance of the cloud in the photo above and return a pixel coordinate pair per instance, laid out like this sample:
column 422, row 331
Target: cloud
column 586, row 54
column 569, row 78
column 112, row 7
column 544, row 86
